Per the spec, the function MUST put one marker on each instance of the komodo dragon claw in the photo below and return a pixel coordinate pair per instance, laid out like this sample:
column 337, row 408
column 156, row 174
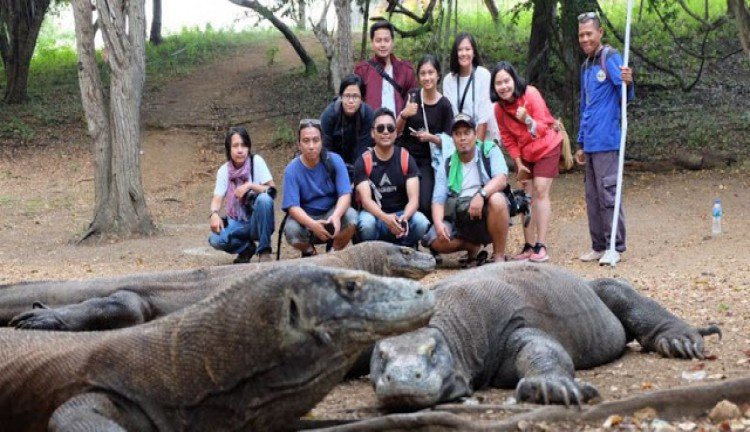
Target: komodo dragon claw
column 554, row 390
column 40, row 317
column 712, row 329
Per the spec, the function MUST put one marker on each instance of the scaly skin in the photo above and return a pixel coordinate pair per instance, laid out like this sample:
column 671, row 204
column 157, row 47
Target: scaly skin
column 242, row 359
column 107, row 303
column 523, row 325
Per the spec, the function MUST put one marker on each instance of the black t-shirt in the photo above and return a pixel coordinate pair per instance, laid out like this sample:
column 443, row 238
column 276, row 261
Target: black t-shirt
column 439, row 119
column 388, row 178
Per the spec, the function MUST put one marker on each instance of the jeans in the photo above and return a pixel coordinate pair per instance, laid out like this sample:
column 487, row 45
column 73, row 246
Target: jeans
column 371, row 228
column 237, row 235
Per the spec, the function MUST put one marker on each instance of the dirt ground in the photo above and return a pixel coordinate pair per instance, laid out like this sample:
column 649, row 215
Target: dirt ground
column 46, row 201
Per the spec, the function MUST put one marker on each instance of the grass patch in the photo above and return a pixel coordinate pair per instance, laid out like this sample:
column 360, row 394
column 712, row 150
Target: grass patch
column 54, row 96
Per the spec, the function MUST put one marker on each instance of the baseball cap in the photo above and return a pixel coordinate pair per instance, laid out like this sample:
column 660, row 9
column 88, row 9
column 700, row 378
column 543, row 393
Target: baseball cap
column 462, row 118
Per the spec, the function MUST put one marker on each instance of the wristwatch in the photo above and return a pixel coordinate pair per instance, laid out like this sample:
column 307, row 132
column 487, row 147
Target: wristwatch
column 483, row 193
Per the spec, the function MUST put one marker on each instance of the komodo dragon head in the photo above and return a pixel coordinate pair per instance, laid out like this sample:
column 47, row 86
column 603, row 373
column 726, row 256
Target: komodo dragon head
column 415, row 370
column 400, row 261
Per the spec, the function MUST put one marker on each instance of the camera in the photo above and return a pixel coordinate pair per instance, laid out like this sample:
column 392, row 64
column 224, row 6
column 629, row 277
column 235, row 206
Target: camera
column 520, row 203
column 248, row 201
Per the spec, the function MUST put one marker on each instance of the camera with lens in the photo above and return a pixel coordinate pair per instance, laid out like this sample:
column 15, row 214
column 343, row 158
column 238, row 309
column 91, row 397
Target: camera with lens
column 248, row 201
column 519, row 203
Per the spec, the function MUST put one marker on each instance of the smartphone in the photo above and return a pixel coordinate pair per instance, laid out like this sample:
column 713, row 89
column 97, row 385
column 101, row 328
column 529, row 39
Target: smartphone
column 412, row 130
column 330, row 228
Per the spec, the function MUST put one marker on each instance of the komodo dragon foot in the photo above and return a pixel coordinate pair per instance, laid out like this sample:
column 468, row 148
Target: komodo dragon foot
column 555, row 389
column 40, row 317
column 683, row 341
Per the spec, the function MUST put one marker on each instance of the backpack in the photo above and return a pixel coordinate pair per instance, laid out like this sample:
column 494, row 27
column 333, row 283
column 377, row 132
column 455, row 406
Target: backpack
column 367, row 159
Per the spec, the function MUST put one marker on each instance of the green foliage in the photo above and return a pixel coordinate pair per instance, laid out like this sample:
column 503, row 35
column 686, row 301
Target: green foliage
column 271, row 52
column 54, row 96
column 283, row 134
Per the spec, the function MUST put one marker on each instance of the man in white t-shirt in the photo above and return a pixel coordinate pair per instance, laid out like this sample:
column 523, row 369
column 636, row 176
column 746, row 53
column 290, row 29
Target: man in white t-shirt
column 245, row 185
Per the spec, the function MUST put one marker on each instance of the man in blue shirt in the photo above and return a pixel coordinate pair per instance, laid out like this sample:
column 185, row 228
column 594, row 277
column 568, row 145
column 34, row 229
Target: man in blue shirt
column 602, row 75
column 469, row 208
column 317, row 195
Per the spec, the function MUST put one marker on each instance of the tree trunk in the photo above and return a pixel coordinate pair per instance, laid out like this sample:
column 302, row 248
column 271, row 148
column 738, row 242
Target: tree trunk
column 542, row 25
column 742, row 17
column 114, row 122
column 301, row 15
column 492, row 7
column 20, row 22
column 310, row 68
column 343, row 51
column 321, row 33
column 365, row 29
column 155, row 37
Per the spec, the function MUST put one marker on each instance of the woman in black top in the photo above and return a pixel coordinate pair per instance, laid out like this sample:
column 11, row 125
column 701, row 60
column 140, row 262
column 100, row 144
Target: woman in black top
column 426, row 115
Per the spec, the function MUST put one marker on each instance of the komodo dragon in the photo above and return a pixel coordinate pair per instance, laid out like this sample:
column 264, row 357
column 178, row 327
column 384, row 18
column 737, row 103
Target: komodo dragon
column 527, row 326
column 106, row 303
column 242, row 359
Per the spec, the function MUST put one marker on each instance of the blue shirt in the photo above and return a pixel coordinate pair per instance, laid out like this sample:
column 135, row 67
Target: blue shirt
column 497, row 166
column 600, row 103
column 312, row 188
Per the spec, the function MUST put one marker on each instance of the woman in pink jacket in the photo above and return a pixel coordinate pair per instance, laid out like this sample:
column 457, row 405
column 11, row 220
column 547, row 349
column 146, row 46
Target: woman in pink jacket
column 531, row 137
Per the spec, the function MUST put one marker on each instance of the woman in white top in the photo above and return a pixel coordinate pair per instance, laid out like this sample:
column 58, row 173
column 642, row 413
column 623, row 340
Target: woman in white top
column 467, row 86
column 245, row 185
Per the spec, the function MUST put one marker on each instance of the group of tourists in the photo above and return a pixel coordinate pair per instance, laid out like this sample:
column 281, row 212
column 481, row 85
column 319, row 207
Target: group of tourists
column 394, row 159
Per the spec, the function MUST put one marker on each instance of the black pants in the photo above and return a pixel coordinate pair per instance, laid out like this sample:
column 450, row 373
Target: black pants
column 426, row 185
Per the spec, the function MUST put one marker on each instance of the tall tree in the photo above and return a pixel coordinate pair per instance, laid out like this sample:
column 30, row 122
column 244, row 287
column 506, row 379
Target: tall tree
column 344, row 46
column 155, row 37
column 20, row 21
column 492, row 8
column 114, row 120
column 540, row 41
column 741, row 15
column 266, row 13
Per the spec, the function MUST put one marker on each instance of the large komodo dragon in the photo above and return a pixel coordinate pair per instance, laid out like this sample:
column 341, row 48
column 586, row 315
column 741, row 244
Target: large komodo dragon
column 527, row 326
column 242, row 359
column 107, row 303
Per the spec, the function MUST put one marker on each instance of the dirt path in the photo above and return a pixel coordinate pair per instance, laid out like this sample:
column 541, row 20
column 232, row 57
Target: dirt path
column 46, row 200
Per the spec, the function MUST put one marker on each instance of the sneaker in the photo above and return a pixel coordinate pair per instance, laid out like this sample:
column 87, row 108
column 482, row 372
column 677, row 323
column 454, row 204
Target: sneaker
column 591, row 255
column 603, row 261
column 245, row 256
column 540, row 254
column 264, row 257
column 527, row 251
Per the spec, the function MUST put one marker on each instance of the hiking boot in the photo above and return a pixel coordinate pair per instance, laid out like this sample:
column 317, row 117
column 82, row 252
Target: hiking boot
column 527, row 251
column 245, row 256
column 591, row 255
column 540, row 254
column 265, row 257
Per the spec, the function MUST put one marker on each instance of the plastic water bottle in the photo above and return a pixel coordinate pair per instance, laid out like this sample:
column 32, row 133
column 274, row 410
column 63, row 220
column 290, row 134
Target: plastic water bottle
column 716, row 212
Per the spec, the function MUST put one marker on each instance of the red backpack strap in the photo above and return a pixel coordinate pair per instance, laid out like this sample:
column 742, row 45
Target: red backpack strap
column 404, row 161
column 367, row 158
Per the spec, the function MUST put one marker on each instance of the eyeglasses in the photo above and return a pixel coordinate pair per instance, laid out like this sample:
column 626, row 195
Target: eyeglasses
column 350, row 97
column 381, row 128
column 587, row 16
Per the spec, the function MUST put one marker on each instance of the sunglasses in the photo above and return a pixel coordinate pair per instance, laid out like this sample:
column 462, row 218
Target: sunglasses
column 309, row 122
column 381, row 128
column 587, row 16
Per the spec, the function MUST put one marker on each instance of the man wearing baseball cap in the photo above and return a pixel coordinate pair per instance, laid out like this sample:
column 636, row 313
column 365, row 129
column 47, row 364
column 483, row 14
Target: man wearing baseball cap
column 469, row 209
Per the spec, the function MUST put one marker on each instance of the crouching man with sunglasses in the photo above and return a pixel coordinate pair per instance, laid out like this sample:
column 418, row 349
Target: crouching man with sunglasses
column 387, row 184
column 317, row 195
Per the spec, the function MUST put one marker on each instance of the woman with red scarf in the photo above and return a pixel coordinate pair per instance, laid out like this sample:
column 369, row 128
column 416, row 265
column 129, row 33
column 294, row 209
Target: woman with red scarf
column 532, row 138
column 245, row 184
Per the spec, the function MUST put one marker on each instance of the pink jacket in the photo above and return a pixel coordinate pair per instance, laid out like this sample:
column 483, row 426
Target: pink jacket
column 515, row 134
column 403, row 74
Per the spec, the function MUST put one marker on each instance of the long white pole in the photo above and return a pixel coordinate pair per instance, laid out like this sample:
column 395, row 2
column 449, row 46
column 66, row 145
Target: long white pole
column 612, row 256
